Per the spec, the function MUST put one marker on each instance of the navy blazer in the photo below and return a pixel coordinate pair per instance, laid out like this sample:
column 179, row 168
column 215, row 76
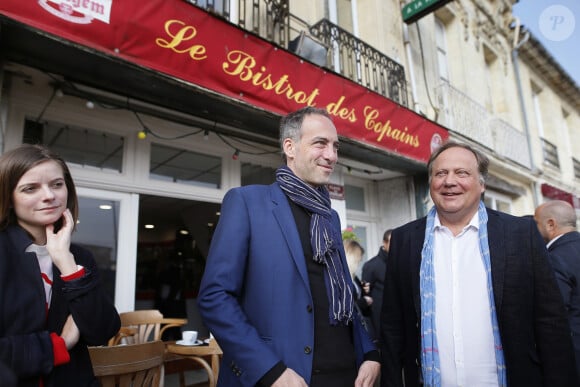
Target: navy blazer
column 25, row 344
column 532, row 322
column 255, row 294
column 565, row 258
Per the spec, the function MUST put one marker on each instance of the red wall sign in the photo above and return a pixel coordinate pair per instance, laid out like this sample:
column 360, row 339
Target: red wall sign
column 555, row 193
column 181, row 40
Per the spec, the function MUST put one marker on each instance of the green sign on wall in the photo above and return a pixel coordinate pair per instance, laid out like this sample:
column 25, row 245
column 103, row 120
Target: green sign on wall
column 416, row 9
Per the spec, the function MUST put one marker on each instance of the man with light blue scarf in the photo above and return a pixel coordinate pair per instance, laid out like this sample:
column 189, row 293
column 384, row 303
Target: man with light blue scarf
column 470, row 298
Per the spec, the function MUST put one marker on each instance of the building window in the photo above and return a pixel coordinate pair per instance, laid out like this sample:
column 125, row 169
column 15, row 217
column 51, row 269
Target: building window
column 185, row 167
column 257, row 174
column 550, row 153
column 441, row 50
column 576, row 163
column 537, row 109
column 498, row 202
column 76, row 145
column 355, row 198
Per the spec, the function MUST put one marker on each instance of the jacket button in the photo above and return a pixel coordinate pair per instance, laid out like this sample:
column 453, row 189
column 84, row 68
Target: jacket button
column 307, row 350
column 309, row 308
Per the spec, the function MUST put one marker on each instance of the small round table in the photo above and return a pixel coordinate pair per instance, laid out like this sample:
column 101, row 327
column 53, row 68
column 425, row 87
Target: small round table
column 198, row 353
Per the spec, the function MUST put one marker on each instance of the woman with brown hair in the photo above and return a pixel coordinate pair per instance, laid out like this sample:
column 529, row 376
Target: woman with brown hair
column 51, row 302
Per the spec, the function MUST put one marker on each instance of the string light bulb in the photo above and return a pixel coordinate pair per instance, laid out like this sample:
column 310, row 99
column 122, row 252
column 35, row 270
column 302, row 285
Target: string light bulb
column 90, row 105
column 206, row 134
column 236, row 154
column 141, row 135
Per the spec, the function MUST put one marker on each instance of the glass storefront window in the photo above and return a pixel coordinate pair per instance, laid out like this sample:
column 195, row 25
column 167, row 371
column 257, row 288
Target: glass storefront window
column 96, row 231
column 257, row 174
column 185, row 167
column 81, row 146
column 355, row 198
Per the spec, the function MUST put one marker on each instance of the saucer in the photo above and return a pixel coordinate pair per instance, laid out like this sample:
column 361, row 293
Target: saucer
column 181, row 342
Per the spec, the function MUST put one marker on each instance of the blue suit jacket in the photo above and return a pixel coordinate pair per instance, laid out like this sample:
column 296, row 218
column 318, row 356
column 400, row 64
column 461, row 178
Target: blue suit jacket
column 532, row 322
column 565, row 256
column 255, row 294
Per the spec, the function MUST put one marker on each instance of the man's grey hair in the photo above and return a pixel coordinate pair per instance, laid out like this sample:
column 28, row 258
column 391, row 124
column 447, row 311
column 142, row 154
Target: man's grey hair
column 291, row 124
column 482, row 160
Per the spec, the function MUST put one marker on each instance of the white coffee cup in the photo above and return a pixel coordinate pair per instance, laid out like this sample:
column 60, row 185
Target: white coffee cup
column 189, row 337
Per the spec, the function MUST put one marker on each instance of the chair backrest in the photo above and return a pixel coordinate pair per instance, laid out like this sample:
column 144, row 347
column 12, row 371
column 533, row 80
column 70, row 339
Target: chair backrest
column 135, row 365
column 141, row 326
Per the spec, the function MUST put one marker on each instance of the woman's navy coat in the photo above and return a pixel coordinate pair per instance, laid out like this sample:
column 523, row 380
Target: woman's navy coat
column 25, row 344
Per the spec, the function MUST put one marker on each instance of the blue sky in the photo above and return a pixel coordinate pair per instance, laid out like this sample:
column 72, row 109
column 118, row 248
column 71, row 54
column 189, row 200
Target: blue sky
column 556, row 24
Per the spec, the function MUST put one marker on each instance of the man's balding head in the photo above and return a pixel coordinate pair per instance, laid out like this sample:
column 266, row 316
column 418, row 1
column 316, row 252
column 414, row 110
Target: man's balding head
column 555, row 218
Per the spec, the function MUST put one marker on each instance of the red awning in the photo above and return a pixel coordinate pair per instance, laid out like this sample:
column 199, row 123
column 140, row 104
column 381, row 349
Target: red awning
column 183, row 41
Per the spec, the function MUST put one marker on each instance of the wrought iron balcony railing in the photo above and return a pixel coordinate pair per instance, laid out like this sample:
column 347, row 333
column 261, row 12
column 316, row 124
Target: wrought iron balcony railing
column 346, row 54
column 361, row 63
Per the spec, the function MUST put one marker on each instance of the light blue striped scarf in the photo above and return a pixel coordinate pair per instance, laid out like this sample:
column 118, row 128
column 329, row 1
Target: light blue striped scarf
column 325, row 240
column 429, row 350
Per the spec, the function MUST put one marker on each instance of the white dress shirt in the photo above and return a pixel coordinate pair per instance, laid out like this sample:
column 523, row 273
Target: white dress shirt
column 462, row 311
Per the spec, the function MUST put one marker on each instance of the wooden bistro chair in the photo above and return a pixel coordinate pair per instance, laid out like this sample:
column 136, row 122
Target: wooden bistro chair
column 141, row 326
column 134, row 365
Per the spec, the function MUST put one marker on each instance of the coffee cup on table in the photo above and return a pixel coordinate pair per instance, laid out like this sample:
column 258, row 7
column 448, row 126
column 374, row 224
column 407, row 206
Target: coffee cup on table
column 189, row 337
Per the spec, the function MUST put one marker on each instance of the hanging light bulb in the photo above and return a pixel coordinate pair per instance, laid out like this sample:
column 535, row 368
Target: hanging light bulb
column 142, row 134
column 236, row 154
column 206, row 134
column 90, row 105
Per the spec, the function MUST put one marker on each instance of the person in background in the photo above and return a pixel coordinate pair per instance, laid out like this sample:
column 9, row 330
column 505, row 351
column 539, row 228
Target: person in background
column 276, row 292
column 52, row 303
column 556, row 222
column 470, row 296
column 373, row 273
column 354, row 255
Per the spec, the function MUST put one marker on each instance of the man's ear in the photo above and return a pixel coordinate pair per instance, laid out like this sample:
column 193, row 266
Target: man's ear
column 289, row 148
column 551, row 226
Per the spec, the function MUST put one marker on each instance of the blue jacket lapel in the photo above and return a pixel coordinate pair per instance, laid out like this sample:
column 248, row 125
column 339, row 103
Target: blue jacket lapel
column 283, row 214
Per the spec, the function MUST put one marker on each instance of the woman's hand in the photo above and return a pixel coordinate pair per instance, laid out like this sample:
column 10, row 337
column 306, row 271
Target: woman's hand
column 58, row 245
column 70, row 333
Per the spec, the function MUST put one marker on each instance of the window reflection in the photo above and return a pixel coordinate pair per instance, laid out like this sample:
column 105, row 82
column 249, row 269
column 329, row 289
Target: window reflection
column 82, row 146
column 186, row 167
column 257, row 174
column 96, row 231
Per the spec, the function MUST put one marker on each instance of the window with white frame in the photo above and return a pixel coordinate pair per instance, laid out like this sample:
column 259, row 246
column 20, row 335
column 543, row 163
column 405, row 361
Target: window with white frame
column 83, row 146
column 440, row 41
column 182, row 166
column 497, row 201
column 355, row 198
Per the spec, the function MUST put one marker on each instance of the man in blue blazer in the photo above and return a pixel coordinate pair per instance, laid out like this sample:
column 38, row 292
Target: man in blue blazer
column 276, row 291
column 556, row 221
column 470, row 297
